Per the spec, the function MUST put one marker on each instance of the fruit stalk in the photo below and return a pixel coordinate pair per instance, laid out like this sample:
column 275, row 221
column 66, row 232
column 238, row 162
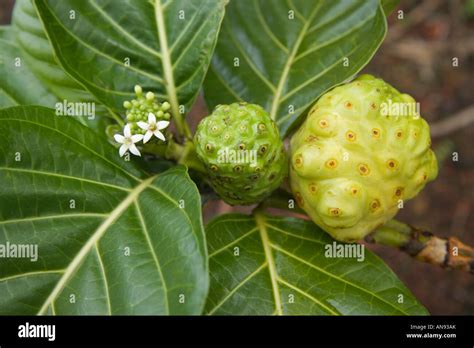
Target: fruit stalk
column 182, row 126
column 423, row 245
column 184, row 154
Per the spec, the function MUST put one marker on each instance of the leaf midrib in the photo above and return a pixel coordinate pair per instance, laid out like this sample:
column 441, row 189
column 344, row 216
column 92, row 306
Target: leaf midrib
column 166, row 59
column 124, row 32
column 91, row 242
column 260, row 221
column 334, row 276
column 275, row 278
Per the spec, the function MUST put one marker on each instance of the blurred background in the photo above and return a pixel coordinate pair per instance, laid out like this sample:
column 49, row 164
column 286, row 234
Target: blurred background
column 417, row 58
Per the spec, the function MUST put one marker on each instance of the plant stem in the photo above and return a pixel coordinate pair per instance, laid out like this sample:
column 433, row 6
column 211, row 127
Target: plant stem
column 185, row 154
column 182, row 126
column 425, row 246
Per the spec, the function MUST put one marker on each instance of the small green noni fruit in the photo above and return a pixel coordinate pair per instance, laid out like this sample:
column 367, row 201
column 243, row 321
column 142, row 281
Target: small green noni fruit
column 362, row 151
column 242, row 151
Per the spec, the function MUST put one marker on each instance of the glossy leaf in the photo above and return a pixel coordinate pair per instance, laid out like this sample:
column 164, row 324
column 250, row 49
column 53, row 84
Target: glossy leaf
column 276, row 265
column 389, row 5
column 110, row 240
column 5, row 32
column 109, row 46
column 21, row 86
column 38, row 52
column 286, row 55
column 18, row 84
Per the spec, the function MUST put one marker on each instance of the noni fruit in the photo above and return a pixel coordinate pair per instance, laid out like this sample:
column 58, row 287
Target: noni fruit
column 242, row 151
column 362, row 151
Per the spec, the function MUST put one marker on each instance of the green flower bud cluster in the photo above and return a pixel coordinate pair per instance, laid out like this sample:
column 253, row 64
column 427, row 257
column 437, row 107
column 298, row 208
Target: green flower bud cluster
column 354, row 161
column 241, row 149
column 139, row 108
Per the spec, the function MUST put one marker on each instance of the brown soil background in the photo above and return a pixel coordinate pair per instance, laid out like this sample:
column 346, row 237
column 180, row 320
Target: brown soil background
column 416, row 57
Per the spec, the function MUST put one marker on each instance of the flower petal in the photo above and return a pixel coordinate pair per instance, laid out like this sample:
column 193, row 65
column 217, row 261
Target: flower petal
column 133, row 149
column 159, row 135
column 162, row 124
column 151, row 118
column 136, row 138
column 147, row 136
column 119, row 138
column 143, row 125
column 127, row 131
column 123, row 149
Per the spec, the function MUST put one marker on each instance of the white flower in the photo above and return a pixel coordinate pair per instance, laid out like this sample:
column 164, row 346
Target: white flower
column 128, row 141
column 153, row 128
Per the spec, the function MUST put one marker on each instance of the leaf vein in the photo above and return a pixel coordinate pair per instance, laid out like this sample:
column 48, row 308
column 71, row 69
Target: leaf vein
column 321, row 304
column 124, row 32
column 234, row 290
column 98, row 233
column 154, row 255
column 68, row 177
column 47, row 217
column 260, row 220
column 249, row 61
column 75, row 141
column 246, row 234
column 106, row 283
column 289, row 62
column 109, row 57
column 372, row 294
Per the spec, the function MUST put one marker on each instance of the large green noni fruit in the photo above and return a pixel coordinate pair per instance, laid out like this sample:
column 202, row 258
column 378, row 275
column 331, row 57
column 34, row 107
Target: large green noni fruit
column 242, row 151
column 362, row 151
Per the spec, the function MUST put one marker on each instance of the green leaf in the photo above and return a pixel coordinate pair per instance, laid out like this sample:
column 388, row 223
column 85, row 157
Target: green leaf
column 168, row 53
column 290, row 53
column 19, row 84
column 276, row 265
column 108, row 237
column 389, row 5
column 5, row 32
column 38, row 53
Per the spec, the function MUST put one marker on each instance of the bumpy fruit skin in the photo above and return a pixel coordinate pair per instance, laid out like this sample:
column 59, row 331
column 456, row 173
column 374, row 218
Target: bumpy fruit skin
column 352, row 164
column 242, row 151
